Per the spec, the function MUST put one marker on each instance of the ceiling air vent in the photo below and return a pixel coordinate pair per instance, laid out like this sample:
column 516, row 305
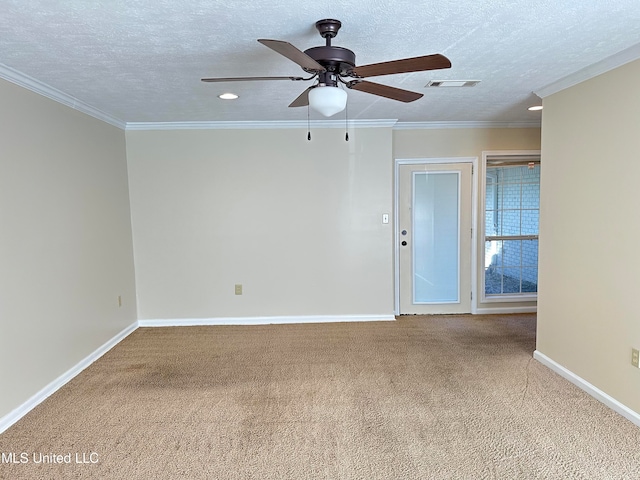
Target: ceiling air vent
column 452, row 83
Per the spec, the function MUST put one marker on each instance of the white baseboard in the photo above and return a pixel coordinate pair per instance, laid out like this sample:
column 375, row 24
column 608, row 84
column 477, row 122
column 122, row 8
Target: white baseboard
column 499, row 310
column 20, row 411
column 595, row 392
column 187, row 322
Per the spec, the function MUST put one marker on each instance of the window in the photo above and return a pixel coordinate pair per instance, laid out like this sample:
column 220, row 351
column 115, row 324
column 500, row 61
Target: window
column 512, row 211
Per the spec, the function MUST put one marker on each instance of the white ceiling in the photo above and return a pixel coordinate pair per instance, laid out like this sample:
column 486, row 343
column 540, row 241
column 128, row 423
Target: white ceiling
column 142, row 60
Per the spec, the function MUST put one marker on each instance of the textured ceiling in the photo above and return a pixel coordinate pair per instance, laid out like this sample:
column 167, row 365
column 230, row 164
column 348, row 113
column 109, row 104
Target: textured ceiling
column 142, row 60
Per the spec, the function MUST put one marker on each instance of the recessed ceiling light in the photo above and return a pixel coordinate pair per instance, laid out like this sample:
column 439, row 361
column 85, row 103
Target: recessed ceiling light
column 228, row 96
column 535, row 108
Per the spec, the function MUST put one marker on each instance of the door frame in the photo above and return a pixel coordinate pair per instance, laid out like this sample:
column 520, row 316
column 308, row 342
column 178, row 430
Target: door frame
column 474, row 221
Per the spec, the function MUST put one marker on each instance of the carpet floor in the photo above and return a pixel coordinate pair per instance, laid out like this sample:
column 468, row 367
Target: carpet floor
column 442, row 397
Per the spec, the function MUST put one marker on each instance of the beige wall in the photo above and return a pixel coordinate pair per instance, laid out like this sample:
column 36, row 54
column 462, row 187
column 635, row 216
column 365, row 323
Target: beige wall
column 588, row 316
column 65, row 240
column 297, row 223
column 465, row 142
column 462, row 142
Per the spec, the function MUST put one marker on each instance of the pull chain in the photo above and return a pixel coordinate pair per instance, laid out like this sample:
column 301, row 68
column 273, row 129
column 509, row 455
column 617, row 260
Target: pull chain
column 308, row 125
column 346, row 123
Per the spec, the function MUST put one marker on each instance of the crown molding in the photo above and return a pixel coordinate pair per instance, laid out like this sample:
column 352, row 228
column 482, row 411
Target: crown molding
column 389, row 123
column 479, row 124
column 259, row 125
column 30, row 83
column 614, row 61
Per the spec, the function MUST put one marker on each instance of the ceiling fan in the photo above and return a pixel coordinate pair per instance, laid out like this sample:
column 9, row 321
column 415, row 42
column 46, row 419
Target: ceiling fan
column 333, row 65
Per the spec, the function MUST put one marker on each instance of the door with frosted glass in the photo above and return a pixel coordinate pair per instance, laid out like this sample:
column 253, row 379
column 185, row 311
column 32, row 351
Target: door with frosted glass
column 434, row 238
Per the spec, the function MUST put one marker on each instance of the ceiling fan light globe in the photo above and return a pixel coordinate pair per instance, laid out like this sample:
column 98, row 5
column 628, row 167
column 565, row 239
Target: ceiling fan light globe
column 327, row 100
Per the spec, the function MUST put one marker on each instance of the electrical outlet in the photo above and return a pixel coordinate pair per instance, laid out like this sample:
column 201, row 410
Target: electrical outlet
column 635, row 357
column 238, row 289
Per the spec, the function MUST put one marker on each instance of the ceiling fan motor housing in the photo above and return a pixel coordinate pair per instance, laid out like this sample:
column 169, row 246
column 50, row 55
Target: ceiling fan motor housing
column 337, row 60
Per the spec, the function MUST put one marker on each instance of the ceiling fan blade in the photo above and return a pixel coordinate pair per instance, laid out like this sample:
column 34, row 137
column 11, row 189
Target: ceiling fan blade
column 406, row 65
column 293, row 54
column 249, row 79
column 384, row 91
column 302, row 100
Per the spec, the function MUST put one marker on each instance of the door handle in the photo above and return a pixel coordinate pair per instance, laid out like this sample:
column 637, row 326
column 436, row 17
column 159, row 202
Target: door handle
column 404, row 243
